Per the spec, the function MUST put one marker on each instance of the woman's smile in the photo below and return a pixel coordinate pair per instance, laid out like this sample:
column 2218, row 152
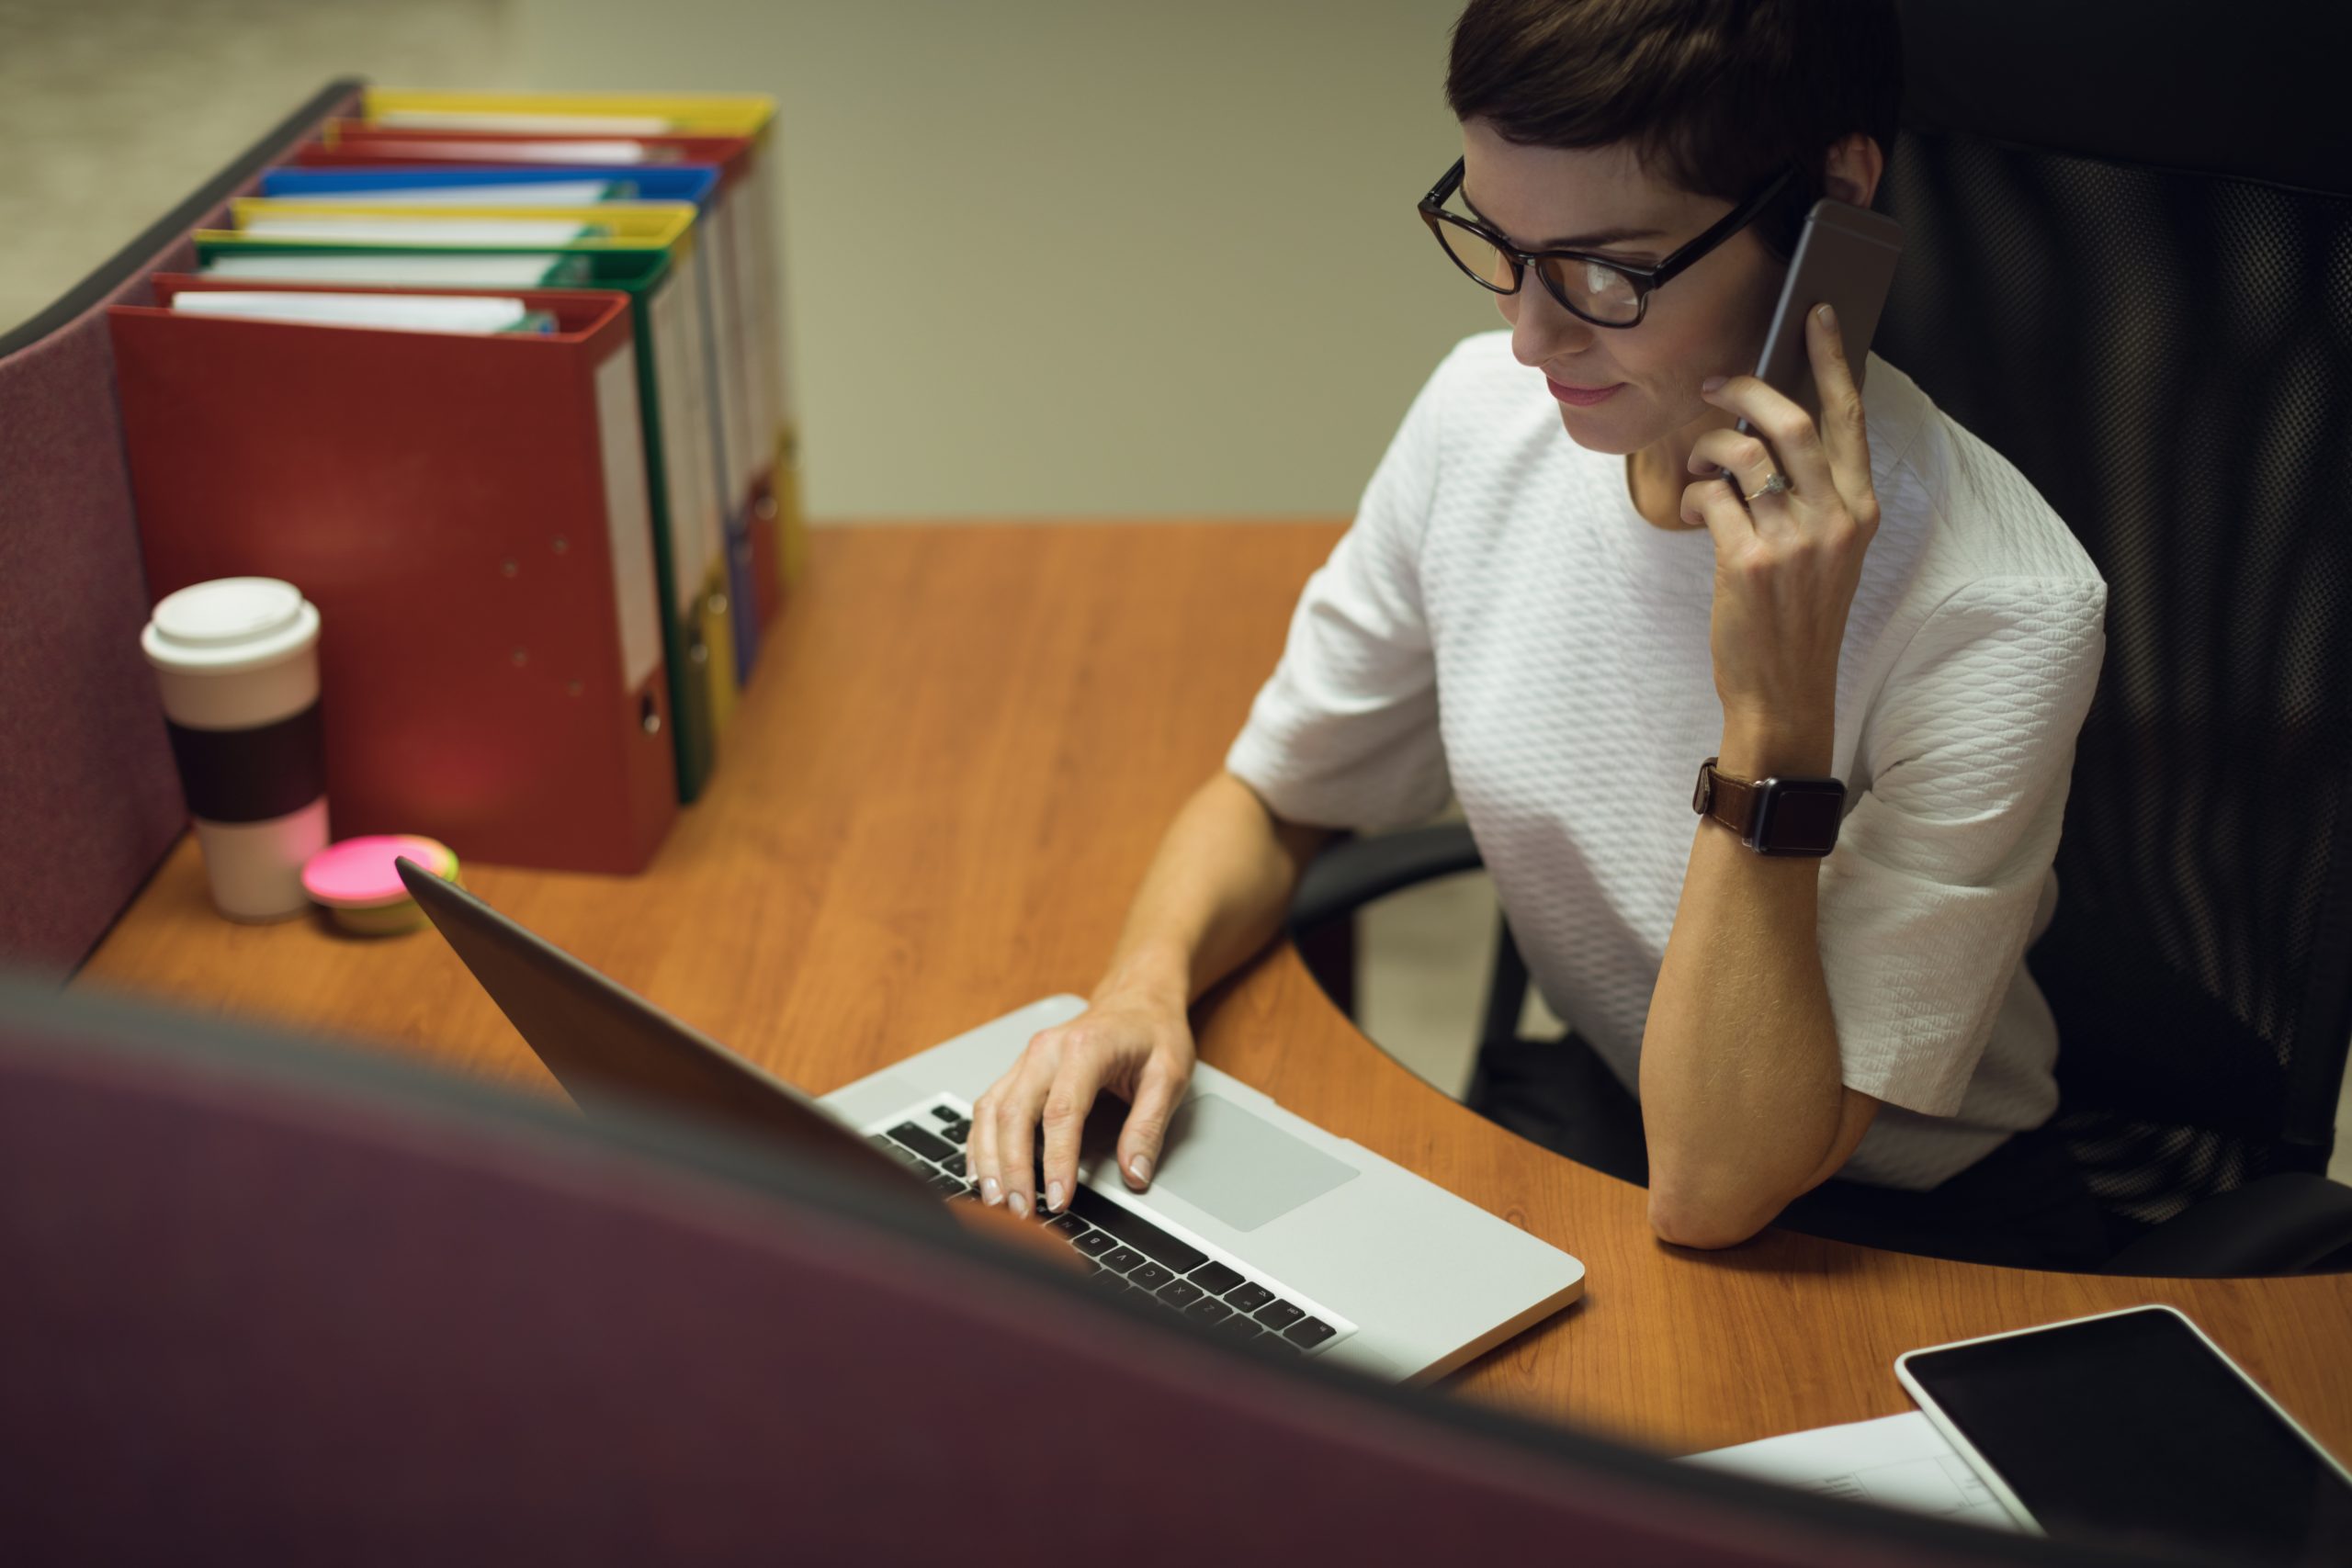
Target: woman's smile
column 1583, row 396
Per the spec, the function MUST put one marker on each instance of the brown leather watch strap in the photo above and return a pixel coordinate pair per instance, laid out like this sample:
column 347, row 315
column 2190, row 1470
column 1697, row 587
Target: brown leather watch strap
column 1775, row 815
column 1725, row 799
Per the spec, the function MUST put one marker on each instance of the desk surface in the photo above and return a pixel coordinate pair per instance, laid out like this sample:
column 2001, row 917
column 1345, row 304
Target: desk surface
column 943, row 786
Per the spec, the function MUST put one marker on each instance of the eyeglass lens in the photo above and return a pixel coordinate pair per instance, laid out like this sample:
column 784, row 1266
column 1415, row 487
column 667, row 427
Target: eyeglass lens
column 1590, row 288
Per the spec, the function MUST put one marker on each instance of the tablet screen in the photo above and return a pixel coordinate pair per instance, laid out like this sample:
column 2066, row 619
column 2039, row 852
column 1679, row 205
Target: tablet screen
column 2130, row 1428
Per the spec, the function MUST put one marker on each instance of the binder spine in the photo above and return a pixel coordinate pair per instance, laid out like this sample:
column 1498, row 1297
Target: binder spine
column 672, row 466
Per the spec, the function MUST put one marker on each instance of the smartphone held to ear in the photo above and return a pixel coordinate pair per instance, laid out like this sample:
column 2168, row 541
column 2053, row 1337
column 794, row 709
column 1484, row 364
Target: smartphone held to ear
column 1846, row 257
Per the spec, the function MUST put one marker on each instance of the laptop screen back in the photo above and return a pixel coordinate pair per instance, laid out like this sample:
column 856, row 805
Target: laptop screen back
column 608, row 1046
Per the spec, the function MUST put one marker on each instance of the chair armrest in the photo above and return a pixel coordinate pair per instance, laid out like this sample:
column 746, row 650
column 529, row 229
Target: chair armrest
column 2285, row 1223
column 1354, row 872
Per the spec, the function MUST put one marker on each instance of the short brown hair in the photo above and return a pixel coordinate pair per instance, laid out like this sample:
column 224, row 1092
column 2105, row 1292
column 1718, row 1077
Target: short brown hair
column 1714, row 96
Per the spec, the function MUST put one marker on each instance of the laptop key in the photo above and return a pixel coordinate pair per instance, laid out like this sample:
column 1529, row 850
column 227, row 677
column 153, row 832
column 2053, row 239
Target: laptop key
column 957, row 1133
column 1179, row 1293
column 1119, row 1262
column 1278, row 1314
column 1238, row 1326
column 1094, row 1243
column 1249, row 1298
column 946, row 1113
column 1215, row 1278
column 1151, row 1277
column 1309, row 1334
column 1133, row 1230
column 953, row 1167
column 922, row 1143
column 1208, row 1309
column 948, row 1185
column 1069, row 1226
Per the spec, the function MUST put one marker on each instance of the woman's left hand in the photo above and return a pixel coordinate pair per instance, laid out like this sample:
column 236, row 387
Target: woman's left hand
column 1786, row 563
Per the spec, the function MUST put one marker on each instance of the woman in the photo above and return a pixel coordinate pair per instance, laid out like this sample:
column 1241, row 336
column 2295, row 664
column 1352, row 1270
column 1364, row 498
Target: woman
column 1552, row 606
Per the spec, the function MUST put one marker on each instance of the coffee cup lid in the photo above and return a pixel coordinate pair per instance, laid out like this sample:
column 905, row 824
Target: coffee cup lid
column 228, row 624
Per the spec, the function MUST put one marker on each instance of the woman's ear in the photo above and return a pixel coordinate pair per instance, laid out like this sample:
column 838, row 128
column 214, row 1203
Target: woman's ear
column 1852, row 169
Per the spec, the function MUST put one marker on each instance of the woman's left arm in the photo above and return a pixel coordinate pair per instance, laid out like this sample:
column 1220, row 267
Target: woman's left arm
column 1743, row 1097
column 1743, row 1100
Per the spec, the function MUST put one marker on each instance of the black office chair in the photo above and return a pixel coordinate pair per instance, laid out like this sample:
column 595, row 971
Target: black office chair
column 2125, row 269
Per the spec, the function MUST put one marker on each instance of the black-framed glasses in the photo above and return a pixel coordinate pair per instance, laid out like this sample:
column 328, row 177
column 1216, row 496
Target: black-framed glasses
column 1606, row 293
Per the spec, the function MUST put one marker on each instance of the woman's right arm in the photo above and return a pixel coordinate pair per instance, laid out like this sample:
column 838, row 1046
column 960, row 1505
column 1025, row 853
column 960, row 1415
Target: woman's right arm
column 1215, row 893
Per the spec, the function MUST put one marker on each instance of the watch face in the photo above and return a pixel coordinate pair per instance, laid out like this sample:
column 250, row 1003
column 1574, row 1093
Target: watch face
column 1799, row 816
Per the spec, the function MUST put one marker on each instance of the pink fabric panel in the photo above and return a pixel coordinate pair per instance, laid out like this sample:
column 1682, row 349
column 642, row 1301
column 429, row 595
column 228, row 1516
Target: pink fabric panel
column 90, row 801
column 89, row 797
column 259, row 1322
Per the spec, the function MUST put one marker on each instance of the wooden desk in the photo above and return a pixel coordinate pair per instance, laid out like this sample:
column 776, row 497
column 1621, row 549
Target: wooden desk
column 940, row 792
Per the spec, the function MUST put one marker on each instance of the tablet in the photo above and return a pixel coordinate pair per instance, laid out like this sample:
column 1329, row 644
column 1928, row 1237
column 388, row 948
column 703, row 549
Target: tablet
column 2132, row 1427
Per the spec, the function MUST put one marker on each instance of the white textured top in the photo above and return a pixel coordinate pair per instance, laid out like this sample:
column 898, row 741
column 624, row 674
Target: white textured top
column 1502, row 626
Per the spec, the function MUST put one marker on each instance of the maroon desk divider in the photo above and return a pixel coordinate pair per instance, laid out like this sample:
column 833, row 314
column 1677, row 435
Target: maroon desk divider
column 274, row 1303
column 89, row 802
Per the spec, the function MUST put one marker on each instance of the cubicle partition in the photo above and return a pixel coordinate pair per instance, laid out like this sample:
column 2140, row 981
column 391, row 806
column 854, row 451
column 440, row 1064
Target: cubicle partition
column 428, row 1321
column 89, row 798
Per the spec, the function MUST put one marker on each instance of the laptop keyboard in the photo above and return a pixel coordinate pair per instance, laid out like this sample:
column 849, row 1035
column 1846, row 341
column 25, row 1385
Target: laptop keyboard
column 1124, row 1253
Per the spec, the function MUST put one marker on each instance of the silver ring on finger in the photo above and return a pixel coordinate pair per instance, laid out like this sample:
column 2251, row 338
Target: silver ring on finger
column 1776, row 485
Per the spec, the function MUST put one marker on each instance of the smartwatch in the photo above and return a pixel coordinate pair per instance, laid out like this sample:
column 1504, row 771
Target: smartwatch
column 1773, row 816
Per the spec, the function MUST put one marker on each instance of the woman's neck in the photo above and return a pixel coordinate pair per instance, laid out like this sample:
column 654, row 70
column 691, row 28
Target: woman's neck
column 1657, row 476
column 1654, row 492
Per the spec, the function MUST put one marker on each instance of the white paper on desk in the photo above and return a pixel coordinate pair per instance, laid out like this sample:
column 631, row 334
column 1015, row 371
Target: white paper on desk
column 526, row 123
column 385, row 312
column 358, row 230
column 425, row 268
column 1897, row 1461
column 511, row 192
column 434, row 151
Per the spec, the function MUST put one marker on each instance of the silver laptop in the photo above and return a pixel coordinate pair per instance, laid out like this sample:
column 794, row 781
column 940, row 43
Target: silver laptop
column 1258, row 1224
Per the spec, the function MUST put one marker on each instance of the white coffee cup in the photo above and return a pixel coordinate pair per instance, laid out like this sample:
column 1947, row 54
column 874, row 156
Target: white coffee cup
column 237, row 662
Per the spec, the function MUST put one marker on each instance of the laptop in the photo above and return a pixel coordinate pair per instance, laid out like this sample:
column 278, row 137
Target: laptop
column 1258, row 1224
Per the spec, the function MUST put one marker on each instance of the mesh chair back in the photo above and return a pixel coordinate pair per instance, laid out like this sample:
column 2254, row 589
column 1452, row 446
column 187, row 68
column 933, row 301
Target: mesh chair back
column 2167, row 354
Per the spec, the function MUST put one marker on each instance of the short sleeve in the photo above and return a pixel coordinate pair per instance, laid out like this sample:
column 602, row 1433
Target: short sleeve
column 1927, row 902
column 1344, row 733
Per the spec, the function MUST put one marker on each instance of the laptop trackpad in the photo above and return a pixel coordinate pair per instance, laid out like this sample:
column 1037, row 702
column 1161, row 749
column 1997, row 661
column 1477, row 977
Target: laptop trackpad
column 1240, row 1167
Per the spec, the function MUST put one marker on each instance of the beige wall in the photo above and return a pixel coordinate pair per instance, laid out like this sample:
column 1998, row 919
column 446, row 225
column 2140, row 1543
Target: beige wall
column 113, row 111
column 1043, row 257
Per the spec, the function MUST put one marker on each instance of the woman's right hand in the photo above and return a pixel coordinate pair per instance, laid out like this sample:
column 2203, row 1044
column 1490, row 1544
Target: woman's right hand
column 1137, row 1045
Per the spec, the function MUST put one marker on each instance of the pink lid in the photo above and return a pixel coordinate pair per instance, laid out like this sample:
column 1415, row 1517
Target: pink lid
column 358, row 873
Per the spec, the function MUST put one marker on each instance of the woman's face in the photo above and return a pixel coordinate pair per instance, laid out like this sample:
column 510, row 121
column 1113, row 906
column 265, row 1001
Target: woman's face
column 1709, row 321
